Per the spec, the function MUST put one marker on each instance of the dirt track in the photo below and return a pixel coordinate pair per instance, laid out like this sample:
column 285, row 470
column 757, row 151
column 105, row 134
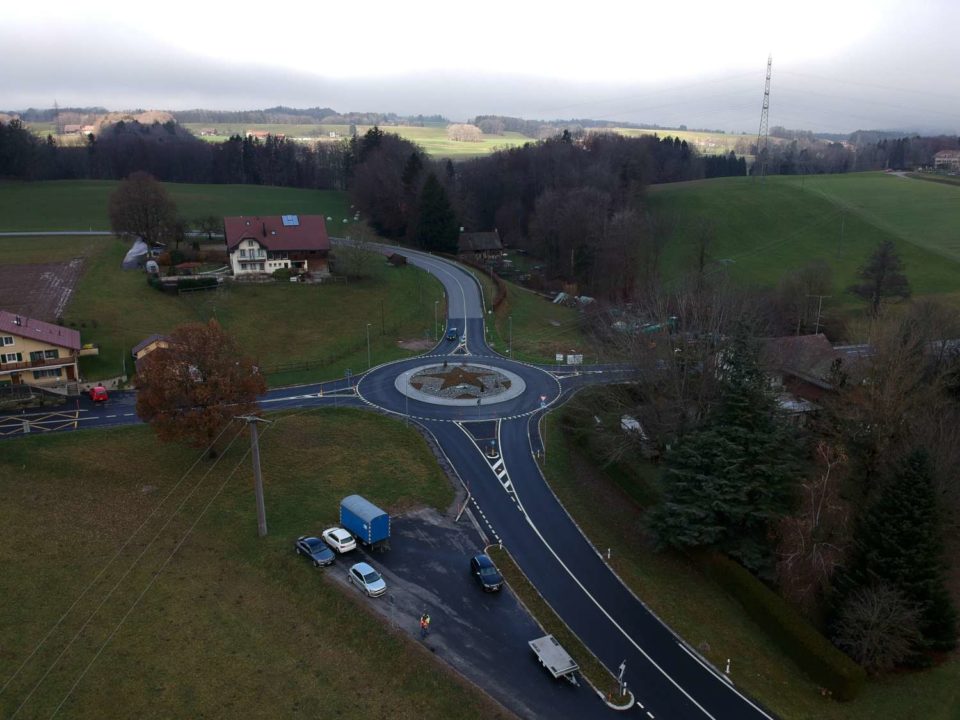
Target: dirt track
column 40, row 291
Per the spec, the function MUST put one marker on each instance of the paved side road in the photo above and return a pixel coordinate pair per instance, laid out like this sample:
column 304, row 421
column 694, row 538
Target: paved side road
column 483, row 636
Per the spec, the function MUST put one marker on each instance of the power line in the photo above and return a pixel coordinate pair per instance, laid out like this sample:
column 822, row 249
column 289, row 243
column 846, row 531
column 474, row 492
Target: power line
column 123, row 577
column 111, row 560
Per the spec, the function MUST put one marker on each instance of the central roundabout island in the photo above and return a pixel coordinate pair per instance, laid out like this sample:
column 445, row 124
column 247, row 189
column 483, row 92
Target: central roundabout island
column 460, row 383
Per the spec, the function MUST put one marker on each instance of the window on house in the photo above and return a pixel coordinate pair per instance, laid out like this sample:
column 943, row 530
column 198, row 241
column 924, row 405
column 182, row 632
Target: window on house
column 11, row 358
column 36, row 356
column 51, row 354
column 6, row 340
column 243, row 253
column 53, row 372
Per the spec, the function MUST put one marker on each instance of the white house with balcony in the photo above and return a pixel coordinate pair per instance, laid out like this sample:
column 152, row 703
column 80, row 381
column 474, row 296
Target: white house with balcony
column 262, row 245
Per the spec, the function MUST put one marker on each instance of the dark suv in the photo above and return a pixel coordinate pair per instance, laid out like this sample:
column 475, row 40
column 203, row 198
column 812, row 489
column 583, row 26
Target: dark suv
column 452, row 334
column 486, row 573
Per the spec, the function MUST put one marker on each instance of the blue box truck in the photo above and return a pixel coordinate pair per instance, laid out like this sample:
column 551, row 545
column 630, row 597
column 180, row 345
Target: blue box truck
column 365, row 521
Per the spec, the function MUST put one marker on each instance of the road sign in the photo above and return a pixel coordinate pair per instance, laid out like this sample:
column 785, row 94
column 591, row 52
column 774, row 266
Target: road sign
column 560, row 358
column 575, row 359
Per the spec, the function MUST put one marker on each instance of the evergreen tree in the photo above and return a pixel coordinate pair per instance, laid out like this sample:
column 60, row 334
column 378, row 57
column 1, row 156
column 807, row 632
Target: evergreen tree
column 726, row 484
column 437, row 228
column 371, row 140
column 898, row 543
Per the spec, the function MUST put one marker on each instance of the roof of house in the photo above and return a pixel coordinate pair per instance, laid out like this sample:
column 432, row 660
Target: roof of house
column 948, row 154
column 38, row 330
column 479, row 241
column 144, row 343
column 809, row 357
column 278, row 232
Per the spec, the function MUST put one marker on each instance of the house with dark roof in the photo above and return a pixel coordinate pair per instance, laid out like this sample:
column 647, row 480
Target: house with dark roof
column 262, row 245
column 33, row 352
column 479, row 246
column 804, row 365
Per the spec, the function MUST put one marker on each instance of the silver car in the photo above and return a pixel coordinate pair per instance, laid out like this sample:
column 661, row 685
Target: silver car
column 367, row 579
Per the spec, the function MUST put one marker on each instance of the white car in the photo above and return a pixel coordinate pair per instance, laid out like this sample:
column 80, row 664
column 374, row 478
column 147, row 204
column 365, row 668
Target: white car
column 367, row 579
column 339, row 539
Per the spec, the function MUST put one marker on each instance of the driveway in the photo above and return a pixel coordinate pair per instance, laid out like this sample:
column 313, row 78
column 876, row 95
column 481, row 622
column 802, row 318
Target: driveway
column 483, row 636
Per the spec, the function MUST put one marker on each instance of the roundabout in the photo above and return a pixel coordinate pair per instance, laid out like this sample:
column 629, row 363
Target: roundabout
column 460, row 388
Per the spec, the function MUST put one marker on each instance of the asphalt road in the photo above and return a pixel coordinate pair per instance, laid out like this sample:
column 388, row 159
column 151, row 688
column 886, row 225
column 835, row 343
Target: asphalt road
column 513, row 502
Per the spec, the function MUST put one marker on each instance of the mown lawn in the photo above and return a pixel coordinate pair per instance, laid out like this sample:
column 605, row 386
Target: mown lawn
column 228, row 625
column 765, row 229
column 279, row 324
column 82, row 204
column 297, row 332
column 608, row 507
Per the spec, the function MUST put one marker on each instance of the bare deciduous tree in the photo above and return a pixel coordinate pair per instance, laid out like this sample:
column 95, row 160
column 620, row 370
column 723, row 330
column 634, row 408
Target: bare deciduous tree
column 878, row 628
column 462, row 132
column 141, row 206
column 813, row 541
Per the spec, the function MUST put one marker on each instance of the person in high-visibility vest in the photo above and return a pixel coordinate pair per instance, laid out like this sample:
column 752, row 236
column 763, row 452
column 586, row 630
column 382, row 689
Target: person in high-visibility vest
column 424, row 625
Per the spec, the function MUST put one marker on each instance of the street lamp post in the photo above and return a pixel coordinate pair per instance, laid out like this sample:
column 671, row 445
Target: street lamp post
column 436, row 305
column 510, row 346
column 368, row 346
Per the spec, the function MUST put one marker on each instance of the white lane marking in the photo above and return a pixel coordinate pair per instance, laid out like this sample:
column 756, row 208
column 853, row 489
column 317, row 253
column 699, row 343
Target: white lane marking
column 707, row 667
column 649, row 714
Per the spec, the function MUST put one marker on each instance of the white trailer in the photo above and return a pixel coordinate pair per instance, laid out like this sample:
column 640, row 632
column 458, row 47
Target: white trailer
column 554, row 658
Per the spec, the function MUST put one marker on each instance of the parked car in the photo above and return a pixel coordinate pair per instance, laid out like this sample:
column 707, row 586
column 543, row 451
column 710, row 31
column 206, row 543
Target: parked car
column 486, row 573
column 314, row 549
column 339, row 539
column 452, row 334
column 99, row 394
column 367, row 579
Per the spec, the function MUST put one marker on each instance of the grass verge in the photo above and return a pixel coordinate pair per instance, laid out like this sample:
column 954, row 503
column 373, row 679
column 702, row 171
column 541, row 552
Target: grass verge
column 705, row 616
column 226, row 624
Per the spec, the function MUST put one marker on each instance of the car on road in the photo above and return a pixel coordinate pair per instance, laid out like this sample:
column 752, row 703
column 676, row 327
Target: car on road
column 339, row 539
column 486, row 573
column 315, row 550
column 452, row 334
column 98, row 394
column 367, row 579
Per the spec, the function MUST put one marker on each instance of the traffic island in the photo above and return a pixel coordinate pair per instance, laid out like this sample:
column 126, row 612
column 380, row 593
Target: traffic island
column 460, row 383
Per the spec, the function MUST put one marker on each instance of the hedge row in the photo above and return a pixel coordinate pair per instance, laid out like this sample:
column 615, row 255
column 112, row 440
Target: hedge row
column 501, row 295
column 181, row 283
column 795, row 636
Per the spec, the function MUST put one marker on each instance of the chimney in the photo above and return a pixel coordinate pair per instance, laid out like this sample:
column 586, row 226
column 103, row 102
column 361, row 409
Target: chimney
column 264, row 229
column 16, row 320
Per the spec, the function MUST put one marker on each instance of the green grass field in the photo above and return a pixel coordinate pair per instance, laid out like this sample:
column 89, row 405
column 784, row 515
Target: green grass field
column 432, row 138
column 228, row 625
column 765, row 229
column 608, row 504
column 539, row 328
column 706, row 143
column 278, row 324
column 82, row 204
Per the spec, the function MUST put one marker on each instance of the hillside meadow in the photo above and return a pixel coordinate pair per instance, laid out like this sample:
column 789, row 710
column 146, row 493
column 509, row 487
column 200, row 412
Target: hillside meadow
column 761, row 230
column 82, row 204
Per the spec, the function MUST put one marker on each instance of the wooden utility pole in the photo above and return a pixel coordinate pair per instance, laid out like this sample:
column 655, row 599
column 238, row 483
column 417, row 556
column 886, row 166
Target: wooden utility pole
column 252, row 421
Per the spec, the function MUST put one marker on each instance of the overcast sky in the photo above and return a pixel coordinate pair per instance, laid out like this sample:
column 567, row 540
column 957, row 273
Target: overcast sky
column 838, row 65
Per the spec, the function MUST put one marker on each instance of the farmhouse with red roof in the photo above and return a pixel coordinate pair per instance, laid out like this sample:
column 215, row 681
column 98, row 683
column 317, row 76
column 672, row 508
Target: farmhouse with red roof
column 262, row 245
column 33, row 352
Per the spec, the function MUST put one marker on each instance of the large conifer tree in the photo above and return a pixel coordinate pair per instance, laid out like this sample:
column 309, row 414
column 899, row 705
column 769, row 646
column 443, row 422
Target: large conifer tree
column 898, row 543
column 436, row 223
column 726, row 484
